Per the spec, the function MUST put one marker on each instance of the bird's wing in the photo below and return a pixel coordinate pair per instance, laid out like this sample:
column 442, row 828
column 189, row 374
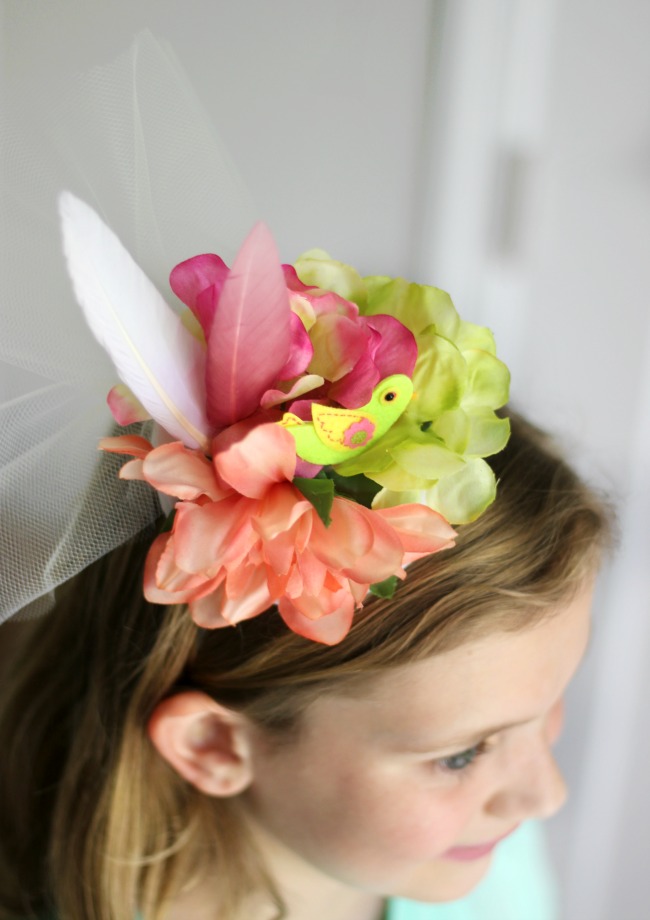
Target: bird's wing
column 334, row 426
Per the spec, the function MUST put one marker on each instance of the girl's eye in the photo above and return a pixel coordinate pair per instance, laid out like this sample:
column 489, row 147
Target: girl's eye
column 465, row 759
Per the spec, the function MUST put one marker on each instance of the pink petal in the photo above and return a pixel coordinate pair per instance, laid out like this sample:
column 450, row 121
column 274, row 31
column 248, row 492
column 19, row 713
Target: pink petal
column 324, row 302
column 176, row 470
column 249, row 339
column 263, row 457
column 355, row 389
column 329, row 629
column 292, row 280
column 194, row 276
column 307, row 470
column 301, row 386
column 396, row 350
column 338, row 344
column 125, row 407
column 300, row 352
column 131, row 444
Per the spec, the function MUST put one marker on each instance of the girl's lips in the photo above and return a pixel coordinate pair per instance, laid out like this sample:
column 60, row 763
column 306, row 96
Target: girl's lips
column 466, row 854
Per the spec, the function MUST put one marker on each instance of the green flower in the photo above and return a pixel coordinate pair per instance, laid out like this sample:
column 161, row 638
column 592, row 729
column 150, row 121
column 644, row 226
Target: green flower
column 434, row 452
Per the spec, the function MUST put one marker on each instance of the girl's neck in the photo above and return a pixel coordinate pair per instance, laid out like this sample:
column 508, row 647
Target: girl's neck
column 307, row 893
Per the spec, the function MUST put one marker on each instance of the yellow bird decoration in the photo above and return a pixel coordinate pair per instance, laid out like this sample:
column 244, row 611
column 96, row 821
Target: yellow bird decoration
column 334, row 434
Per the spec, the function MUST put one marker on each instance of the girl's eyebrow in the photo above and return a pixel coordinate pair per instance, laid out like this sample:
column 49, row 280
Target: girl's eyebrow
column 464, row 741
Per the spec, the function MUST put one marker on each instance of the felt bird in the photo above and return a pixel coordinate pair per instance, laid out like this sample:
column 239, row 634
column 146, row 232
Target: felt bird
column 335, row 435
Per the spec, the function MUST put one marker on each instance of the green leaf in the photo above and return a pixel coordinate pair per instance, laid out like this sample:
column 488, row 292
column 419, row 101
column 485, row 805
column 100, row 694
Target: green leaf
column 358, row 487
column 168, row 523
column 320, row 492
column 385, row 588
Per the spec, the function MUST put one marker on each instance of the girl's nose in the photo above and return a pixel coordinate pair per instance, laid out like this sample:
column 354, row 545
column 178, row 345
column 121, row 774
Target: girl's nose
column 533, row 786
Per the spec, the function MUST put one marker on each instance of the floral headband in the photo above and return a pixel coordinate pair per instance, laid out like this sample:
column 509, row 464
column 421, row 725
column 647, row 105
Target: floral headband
column 317, row 431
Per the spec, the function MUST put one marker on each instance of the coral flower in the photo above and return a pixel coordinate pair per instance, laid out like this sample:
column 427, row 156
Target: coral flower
column 244, row 537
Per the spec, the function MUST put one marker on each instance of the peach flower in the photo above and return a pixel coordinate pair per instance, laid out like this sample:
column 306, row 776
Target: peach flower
column 244, row 537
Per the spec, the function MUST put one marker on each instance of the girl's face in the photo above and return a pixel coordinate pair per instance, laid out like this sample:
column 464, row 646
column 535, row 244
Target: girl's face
column 405, row 788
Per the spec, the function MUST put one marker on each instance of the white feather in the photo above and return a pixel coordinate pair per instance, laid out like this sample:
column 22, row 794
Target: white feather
column 153, row 352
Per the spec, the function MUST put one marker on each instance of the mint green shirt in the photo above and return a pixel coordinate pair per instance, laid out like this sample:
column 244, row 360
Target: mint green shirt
column 519, row 886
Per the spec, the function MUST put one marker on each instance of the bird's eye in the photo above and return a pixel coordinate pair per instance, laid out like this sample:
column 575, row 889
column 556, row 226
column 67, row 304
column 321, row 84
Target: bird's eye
column 390, row 396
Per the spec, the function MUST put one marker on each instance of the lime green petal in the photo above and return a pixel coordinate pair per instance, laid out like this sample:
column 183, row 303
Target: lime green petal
column 316, row 269
column 453, row 427
column 472, row 336
column 488, row 434
column 464, row 495
column 488, row 380
column 426, row 461
column 397, row 479
column 439, row 378
column 387, row 498
column 316, row 253
column 415, row 305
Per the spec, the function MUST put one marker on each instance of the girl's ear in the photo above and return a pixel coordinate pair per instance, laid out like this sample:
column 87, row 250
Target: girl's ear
column 206, row 743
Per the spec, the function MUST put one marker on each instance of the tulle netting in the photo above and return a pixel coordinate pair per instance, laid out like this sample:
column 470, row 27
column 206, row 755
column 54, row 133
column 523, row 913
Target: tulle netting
column 131, row 139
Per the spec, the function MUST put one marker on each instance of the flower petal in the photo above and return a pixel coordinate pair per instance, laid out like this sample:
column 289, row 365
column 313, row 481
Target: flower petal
column 463, row 496
column 131, row 444
column 218, row 609
column 264, row 456
column 164, row 581
column 358, row 544
column 207, row 537
column 300, row 352
column 187, row 474
column 125, row 407
column 302, row 385
column 338, row 343
column 488, row 380
column 193, row 276
column 420, row 529
column 329, row 629
column 317, row 269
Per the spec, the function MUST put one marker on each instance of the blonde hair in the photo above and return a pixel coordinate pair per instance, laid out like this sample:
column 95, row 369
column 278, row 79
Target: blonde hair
column 95, row 824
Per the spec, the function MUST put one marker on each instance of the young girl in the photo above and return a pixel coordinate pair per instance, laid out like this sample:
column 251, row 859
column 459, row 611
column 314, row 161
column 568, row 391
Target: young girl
column 320, row 708
column 154, row 767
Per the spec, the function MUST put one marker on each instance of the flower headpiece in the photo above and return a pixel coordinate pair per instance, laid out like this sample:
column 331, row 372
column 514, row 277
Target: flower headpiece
column 317, row 431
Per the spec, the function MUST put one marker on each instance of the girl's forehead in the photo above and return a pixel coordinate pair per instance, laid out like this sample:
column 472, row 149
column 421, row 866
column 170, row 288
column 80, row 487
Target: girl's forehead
column 502, row 678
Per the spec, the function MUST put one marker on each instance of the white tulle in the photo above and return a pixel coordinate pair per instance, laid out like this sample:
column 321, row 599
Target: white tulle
column 131, row 140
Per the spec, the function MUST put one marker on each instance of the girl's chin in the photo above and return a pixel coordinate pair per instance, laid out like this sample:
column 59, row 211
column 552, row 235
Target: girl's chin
column 446, row 880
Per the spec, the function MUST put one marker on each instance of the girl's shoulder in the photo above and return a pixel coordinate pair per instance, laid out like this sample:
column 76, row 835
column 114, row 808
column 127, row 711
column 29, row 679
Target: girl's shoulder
column 520, row 884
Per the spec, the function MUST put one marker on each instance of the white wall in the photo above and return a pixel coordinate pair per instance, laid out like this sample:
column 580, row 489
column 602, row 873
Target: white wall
column 498, row 148
column 539, row 219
